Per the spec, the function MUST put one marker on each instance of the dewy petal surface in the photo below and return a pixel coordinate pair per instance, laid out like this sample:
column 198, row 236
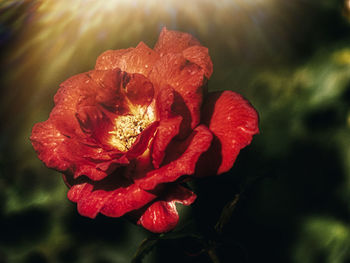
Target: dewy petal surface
column 76, row 138
column 186, row 78
column 174, row 42
column 233, row 121
column 113, row 203
column 132, row 60
column 184, row 165
column 200, row 56
column 162, row 216
column 166, row 132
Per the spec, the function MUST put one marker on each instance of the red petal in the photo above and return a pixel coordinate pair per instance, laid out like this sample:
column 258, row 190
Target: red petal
column 184, row 165
column 48, row 142
column 110, row 59
column 66, row 154
column 133, row 60
column 126, row 200
column 108, row 92
column 234, row 121
column 88, row 204
column 164, row 101
column 180, row 194
column 110, row 203
column 170, row 104
column 162, row 216
column 139, row 90
column 142, row 141
column 185, row 78
column 75, row 139
column 82, row 95
column 66, row 100
column 166, row 131
column 174, row 42
column 94, row 123
column 200, row 56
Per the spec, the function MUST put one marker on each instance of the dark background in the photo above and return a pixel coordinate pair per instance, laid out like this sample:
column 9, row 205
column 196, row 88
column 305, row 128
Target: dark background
column 291, row 59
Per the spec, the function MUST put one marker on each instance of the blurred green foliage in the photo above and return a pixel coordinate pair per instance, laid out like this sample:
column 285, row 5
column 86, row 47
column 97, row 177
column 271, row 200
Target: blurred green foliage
column 291, row 59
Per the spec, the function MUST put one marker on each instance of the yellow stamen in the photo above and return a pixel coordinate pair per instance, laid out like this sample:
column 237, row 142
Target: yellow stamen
column 127, row 128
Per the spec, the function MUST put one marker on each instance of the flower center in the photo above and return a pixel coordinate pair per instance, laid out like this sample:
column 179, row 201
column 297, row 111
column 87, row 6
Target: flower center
column 127, row 128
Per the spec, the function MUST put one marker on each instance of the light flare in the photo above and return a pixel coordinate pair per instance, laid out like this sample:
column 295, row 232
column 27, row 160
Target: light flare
column 56, row 39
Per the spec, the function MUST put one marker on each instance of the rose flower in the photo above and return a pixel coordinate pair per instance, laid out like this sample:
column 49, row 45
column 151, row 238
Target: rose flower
column 129, row 133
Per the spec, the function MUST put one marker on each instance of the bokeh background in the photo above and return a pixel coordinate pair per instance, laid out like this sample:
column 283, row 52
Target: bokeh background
column 291, row 59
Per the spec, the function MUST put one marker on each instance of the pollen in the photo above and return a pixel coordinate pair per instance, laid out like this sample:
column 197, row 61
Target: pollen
column 127, row 129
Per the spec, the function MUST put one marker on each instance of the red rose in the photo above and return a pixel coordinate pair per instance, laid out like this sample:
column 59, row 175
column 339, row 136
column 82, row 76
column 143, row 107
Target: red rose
column 126, row 134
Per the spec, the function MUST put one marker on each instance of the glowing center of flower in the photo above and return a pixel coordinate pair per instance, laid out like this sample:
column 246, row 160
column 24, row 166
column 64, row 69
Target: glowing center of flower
column 127, row 128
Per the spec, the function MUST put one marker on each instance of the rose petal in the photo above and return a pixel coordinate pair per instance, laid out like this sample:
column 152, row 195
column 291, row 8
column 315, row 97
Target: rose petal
column 200, row 56
column 169, row 105
column 166, row 131
column 88, row 204
column 133, row 60
column 139, row 90
column 184, row 165
column 108, row 92
column 125, row 200
column 179, row 194
column 142, row 141
column 82, row 96
column 67, row 154
column 75, row 139
column 162, row 216
column 173, row 42
column 113, row 203
column 234, row 121
column 48, row 141
column 66, row 100
column 164, row 102
column 110, row 59
column 95, row 124
column 185, row 78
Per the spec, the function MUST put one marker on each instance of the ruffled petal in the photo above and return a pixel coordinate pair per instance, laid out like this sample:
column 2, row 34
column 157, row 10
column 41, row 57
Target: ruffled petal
column 174, row 42
column 186, row 78
column 179, row 194
column 164, row 102
column 82, row 100
column 233, row 121
column 166, row 131
column 162, row 216
column 200, row 56
column 170, row 104
column 66, row 100
column 76, row 138
column 142, row 142
column 139, row 90
column 184, row 165
column 65, row 154
column 110, row 59
column 113, row 203
column 133, row 60
column 61, row 142
column 125, row 200
column 48, row 141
